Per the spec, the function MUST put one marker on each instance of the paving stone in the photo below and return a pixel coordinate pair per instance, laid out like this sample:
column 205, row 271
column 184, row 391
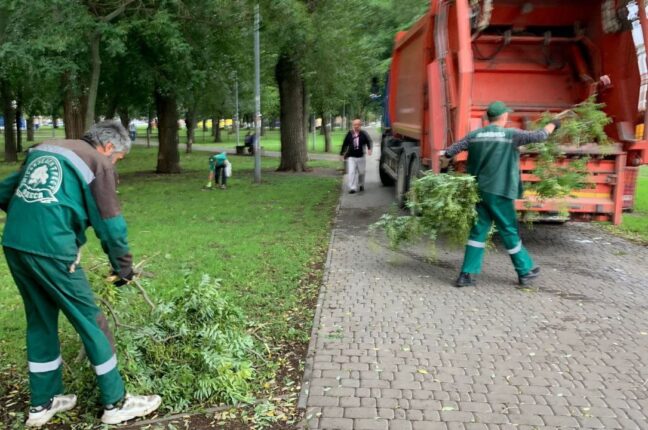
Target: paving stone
column 371, row 424
column 323, row 401
column 369, row 412
column 521, row 419
column 426, row 425
column 400, row 425
column 349, row 402
column 332, row 412
column 336, row 424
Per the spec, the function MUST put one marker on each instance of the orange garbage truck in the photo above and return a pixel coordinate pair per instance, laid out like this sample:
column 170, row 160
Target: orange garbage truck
column 536, row 56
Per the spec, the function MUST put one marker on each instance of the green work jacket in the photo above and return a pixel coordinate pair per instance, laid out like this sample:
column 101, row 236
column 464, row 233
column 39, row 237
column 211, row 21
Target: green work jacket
column 63, row 188
column 494, row 157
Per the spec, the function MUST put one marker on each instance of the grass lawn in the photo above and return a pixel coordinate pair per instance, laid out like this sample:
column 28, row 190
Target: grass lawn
column 265, row 242
column 269, row 142
column 635, row 224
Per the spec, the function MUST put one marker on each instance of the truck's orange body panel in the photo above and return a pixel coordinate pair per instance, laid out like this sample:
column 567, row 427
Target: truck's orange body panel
column 536, row 56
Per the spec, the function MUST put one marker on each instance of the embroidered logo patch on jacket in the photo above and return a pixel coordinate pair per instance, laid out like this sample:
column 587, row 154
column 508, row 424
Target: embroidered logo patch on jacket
column 41, row 181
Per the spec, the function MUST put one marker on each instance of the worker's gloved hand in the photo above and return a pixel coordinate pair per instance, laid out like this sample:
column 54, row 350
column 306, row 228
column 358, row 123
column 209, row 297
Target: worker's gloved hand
column 556, row 123
column 120, row 281
column 445, row 161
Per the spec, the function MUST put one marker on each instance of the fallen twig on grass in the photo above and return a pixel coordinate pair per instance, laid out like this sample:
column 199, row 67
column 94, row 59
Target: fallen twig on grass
column 144, row 294
column 114, row 315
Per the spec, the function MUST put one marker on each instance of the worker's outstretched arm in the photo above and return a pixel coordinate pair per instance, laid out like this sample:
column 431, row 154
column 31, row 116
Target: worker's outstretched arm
column 457, row 147
column 523, row 137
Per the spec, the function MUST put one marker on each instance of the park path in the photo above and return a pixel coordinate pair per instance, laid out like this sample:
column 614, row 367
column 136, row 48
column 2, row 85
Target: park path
column 232, row 151
column 396, row 347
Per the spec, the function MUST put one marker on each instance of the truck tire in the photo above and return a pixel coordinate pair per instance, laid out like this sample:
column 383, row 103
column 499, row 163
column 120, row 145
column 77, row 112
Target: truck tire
column 402, row 180
column 414, row 174
column 385, row 178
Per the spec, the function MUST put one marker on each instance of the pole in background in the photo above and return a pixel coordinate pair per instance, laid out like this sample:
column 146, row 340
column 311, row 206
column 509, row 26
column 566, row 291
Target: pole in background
column 257, row 98
column 236, row 118
column 314, row 131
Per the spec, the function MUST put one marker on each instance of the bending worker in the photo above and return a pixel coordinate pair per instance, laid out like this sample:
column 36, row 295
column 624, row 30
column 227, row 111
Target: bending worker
column 62, row 188
column 494, row 160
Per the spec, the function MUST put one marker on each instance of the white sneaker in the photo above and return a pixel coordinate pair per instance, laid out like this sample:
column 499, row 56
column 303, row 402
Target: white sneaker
column 41, row 416
column 132, row 407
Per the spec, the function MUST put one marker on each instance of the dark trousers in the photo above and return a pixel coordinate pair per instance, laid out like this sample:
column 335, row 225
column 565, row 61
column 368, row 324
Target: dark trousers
column 220, row 176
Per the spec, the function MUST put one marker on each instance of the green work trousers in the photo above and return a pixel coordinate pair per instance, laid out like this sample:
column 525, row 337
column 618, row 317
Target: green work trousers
column 493, row 208
column 48, row 285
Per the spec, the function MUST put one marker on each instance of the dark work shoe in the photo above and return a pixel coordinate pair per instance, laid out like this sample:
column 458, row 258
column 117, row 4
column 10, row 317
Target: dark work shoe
column 352, row 191
column 529, row 277
column 361, row 188
column 465, row 280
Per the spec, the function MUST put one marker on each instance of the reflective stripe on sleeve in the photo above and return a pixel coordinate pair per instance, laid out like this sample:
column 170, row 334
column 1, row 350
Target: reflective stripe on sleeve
column 106, row 367
column 476, row 244
column 45, row 367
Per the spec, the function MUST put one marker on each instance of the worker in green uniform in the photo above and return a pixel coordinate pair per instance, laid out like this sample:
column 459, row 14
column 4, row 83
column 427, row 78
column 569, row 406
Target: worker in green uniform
column 217, row 170
column 494, row 160
column 63, row 187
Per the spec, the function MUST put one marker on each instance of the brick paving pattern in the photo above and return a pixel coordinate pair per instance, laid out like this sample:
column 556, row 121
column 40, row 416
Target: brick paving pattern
column 397, row 347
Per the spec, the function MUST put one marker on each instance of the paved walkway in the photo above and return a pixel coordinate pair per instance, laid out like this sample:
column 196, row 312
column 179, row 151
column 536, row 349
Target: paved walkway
column 396, row 347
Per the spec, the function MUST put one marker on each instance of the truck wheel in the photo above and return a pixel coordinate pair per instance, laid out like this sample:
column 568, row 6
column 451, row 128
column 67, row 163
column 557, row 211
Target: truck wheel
column 414, row 174
column 385, row 178
column 402, row 180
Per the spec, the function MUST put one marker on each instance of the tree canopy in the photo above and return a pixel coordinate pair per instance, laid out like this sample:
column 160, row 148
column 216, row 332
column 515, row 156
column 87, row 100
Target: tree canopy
column 172, row 59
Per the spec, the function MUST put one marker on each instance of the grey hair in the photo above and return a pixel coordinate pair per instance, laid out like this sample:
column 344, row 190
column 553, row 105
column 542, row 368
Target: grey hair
column 105, row 132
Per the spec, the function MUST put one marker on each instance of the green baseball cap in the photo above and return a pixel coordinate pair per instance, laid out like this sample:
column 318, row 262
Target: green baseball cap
column 496, row 109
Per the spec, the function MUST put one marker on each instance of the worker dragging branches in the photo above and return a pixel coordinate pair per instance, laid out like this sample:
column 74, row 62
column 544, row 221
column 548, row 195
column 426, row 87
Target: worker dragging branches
column 494, row 160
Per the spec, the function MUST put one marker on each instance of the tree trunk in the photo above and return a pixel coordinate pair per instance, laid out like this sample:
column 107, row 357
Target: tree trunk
column 111, row 109
column 124, row 117
column 167, row 112
column 18, row 130
column 94, row 79
column 323, row 127
column 73, row 111
column 72, row 118
column 9, row 114
column 263, row 127
column 30, row 128
column 190, row 122
column 204, row 125
column 217, row 131
column 272, row 123
column 328, row 147
column 149, row 127
column 292, row 115
column 54, row 122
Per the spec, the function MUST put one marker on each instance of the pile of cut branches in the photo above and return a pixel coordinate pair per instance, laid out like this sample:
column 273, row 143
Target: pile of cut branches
column 444, row 206
column 585, row 125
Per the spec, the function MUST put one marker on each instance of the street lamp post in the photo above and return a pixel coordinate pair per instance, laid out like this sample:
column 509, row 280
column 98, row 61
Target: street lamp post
column 257, row 97
column 236, row 118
